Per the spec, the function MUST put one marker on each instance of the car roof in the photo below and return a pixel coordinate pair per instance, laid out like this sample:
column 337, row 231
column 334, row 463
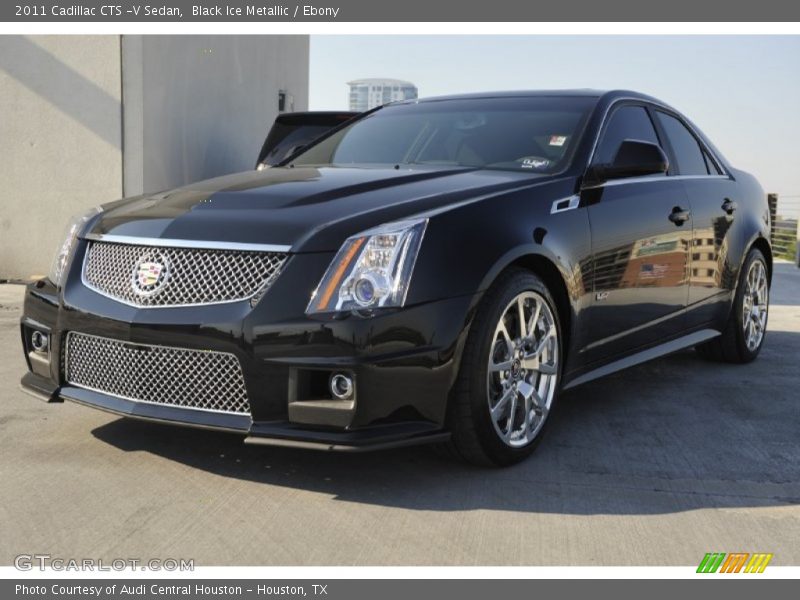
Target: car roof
column 607, row 95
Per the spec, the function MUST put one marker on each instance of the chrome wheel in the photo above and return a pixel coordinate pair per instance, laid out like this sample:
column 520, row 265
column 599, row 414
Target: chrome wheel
column 523, row 369
column 755, row 305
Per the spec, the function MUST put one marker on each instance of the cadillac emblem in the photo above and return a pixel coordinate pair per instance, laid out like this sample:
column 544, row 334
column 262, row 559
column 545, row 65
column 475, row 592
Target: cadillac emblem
column 150, row 275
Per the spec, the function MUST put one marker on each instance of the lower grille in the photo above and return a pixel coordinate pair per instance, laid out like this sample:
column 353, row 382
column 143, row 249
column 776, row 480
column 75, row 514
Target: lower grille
column 179, row 377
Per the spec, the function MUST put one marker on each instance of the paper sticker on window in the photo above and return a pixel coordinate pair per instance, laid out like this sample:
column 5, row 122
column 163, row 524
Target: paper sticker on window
column 534, row 163
column 558, row 140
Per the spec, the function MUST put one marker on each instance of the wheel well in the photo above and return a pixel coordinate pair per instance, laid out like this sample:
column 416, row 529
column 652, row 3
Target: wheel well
column 764, row 246
column 552, row 278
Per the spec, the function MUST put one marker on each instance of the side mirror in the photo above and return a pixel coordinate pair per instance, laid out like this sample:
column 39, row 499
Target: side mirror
column 633, row 159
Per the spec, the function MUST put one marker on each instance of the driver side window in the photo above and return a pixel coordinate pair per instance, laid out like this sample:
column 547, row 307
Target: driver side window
column 626, row 123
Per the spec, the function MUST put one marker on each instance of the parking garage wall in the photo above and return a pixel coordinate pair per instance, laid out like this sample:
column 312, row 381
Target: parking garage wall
column 87, row 119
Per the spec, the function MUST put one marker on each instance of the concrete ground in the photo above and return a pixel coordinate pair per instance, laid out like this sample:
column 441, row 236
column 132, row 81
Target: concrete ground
column 653, row 466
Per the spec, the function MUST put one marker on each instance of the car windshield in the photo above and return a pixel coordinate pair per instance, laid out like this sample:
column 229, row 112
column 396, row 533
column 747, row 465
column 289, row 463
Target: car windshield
column 533, row 134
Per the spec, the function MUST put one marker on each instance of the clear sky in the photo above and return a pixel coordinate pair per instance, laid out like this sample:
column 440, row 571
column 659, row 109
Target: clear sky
column 742, row 91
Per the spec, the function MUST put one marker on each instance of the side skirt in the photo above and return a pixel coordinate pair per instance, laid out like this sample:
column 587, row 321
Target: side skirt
column 680, row 343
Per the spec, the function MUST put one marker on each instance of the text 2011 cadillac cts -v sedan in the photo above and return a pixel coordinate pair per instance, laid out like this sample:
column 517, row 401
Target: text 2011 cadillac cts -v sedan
column 432, row 271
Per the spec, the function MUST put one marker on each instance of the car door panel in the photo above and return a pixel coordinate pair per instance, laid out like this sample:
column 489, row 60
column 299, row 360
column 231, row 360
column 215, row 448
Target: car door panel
column 713, row 196
column 639, row 266
column 641, row 229
column 715, row 246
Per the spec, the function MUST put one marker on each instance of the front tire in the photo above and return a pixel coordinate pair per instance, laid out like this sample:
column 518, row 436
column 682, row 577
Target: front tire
column 510, row 373
column 744, row 333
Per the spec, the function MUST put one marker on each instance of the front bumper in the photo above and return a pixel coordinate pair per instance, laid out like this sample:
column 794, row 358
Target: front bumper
column 404, row 362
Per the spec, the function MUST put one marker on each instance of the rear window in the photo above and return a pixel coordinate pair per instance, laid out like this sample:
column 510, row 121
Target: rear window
column 283, row 139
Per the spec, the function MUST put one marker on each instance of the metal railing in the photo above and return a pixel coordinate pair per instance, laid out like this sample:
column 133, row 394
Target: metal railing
column 785, row 212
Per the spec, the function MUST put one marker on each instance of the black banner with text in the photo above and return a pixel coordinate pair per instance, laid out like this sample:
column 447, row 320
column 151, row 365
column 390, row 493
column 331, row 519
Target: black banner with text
column 406, row 11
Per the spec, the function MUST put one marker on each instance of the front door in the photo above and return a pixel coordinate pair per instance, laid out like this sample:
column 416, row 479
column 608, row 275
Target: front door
column 641, row 234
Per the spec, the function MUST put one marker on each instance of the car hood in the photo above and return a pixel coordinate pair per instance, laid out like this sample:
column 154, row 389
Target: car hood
column 308, row 209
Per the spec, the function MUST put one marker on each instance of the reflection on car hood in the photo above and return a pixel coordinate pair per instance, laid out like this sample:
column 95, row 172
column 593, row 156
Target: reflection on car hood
column 310, row 209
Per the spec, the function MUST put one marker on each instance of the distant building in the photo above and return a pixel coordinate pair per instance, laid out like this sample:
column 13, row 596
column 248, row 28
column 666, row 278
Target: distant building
column 369, row 93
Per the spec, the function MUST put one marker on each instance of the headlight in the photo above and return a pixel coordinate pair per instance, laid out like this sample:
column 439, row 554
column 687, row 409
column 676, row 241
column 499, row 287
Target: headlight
column 372, row 269
column 65, row 250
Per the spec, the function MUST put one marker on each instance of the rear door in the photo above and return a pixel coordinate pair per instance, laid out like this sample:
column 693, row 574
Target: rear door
column 712, row 194
column 640, row 252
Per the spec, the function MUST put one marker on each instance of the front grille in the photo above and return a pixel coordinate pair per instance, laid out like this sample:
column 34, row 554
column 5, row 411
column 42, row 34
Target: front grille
column 200, row 379
column 150, row 276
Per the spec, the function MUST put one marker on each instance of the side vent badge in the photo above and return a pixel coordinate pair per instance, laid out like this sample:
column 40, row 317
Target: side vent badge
column 565, row 204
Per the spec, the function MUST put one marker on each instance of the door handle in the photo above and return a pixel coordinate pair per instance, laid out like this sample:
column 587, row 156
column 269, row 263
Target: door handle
column 679, row 215
column 729, row 206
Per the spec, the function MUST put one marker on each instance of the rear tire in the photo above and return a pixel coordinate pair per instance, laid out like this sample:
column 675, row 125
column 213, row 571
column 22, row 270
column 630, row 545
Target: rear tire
column 509, row 375
column 744, row 333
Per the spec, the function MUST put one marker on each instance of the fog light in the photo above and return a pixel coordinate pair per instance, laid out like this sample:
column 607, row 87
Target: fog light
column 40, row 342
column 341, row 386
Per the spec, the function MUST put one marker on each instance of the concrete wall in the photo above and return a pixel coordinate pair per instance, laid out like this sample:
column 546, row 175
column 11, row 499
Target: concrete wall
column 88, row 119
column 60, row 141
column 200, row 106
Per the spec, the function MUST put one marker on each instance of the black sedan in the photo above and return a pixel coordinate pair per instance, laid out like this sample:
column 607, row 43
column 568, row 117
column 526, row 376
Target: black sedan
column 433, row 271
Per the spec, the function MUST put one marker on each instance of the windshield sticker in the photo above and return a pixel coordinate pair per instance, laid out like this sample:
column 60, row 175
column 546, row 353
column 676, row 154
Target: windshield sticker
column 534, row 163
column 558, row 140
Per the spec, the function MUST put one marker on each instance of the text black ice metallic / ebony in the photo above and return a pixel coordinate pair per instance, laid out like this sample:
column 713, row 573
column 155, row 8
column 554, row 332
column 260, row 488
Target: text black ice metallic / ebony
column 433, row 271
